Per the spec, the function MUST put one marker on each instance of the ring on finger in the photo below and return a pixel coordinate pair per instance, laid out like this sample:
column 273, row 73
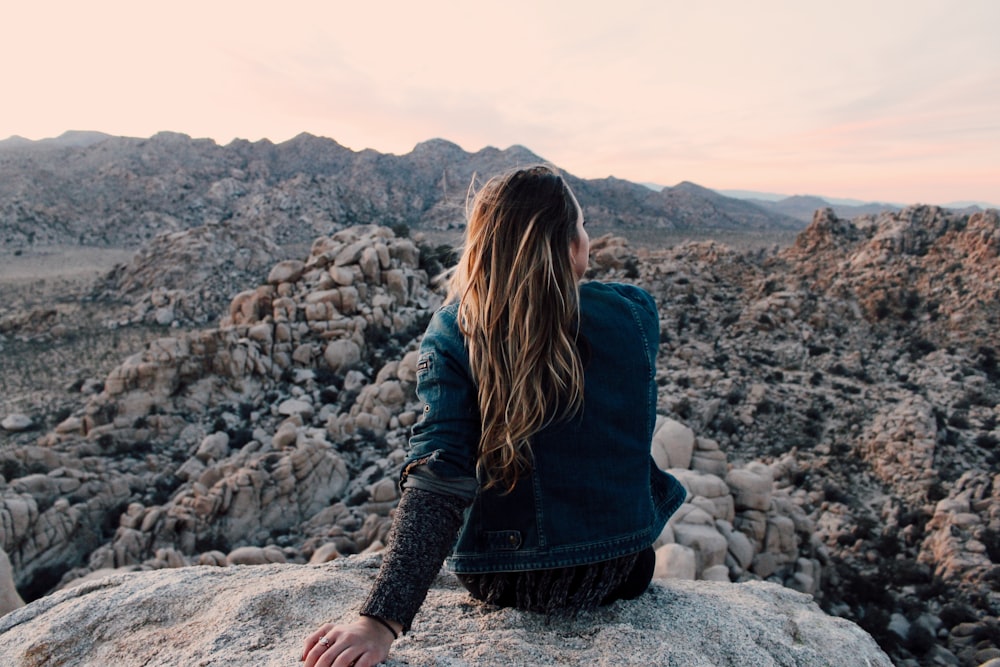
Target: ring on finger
column 324, row 641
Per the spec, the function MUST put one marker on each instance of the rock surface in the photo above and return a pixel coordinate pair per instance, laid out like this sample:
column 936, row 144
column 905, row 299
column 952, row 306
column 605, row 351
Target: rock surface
column 260, row 615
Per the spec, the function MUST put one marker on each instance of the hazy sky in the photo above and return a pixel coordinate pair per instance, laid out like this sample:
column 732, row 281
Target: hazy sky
column 891, row 100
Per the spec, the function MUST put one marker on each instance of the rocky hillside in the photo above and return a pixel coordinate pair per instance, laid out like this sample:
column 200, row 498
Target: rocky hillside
column 832, row 408
column 116, row 191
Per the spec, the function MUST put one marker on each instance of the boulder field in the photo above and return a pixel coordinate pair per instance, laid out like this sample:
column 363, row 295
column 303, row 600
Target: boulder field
column 832, row 410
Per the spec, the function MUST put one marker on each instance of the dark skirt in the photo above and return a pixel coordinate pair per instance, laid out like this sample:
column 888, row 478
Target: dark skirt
column 566, row 589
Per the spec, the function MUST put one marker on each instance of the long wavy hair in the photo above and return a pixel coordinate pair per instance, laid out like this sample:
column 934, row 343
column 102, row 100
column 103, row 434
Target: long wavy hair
column 518, row 300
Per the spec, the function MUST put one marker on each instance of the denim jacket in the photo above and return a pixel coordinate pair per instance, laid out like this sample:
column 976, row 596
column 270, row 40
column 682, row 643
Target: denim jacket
column 593, row 492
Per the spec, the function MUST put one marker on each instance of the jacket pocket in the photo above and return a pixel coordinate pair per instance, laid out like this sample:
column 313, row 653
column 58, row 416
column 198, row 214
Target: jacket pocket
column 503, row 540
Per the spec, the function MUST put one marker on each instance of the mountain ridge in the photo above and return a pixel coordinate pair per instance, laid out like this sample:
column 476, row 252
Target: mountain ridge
column 91, row 189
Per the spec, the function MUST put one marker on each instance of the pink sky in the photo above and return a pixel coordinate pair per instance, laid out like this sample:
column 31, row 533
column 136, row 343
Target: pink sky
column 891, row 100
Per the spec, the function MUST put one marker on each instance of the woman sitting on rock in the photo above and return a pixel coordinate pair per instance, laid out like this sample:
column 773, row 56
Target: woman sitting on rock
column 539, row 403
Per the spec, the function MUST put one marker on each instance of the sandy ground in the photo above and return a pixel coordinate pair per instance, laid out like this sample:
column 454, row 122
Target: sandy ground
column 35, row 368
column 66, row 262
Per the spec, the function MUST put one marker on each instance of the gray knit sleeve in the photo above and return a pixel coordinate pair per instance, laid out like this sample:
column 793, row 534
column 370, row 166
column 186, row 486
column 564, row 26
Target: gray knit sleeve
column 423, row 533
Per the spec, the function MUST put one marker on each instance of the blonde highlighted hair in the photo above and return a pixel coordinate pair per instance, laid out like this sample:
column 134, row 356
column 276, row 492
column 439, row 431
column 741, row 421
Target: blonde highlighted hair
column 519, row 312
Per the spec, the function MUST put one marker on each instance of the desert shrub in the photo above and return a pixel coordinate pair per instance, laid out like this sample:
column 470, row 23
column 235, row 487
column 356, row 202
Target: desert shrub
column 949, row 437
column 816, row 379
column 936, row 492
column 728, row 425
column 992, row 578
column 834, row 494
column 918, row 640
column 730, row 319
column 882, row 309
column 105, row 441
column 907, row 571
column 959, row 420
column 911, row 303
column 212, row 542
column 245, row 410
column 920, row 347
column 991, row 539
column 839, row 369
column 814, row 413
column 986, row 441
column 812, row 429
column 850, row 390
column 981, row 399
column 987, row 362
column 916, row 518
column 43, row 582
column 988, row 632
column 11, row 469
column 874, row 619
column 435, row 260
column 771, row 286
column 239, row 437
column 683, row 408
column 953, row 613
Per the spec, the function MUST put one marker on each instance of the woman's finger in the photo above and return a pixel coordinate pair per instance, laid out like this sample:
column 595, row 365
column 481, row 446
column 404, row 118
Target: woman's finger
column 347, row 657
column 316, row 647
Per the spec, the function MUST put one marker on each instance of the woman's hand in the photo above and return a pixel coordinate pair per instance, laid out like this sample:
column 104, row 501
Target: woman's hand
column 363, row 643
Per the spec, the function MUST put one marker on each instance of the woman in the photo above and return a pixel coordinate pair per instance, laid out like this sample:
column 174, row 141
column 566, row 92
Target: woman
column 540, row 400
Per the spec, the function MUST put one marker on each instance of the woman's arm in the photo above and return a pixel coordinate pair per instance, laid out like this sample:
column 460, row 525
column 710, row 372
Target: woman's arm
column 423, row 533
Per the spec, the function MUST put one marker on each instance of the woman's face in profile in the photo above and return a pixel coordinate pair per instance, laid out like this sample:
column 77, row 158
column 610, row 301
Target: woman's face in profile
column 579, row 248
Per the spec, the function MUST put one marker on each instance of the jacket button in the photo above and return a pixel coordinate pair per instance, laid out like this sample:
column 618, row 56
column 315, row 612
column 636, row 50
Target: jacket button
column 512, row 539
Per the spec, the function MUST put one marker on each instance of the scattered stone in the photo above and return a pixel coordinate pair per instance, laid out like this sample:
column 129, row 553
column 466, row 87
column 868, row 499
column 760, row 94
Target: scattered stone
column 17, row 422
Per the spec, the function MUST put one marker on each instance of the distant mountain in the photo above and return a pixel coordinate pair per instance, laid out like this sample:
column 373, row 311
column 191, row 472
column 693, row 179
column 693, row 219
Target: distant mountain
column 773, row 196
column 72, row 138
column 698, row 203
column 969, row 206
column 802, row 207
column 95, row 189
column 15, row 141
